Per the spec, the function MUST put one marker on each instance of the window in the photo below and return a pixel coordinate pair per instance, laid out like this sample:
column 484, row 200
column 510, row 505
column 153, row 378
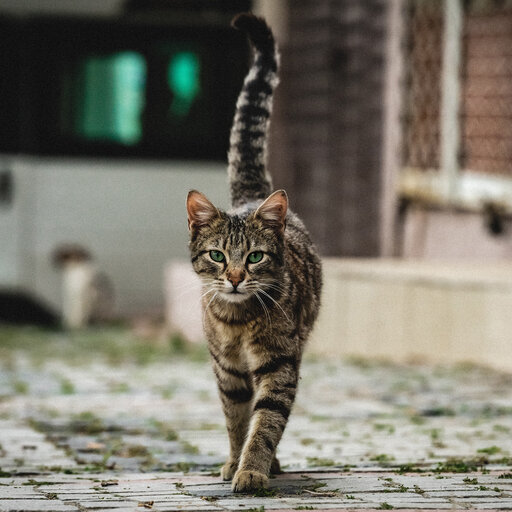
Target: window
column 457, row 117
column 108, row 95
column 120, row 88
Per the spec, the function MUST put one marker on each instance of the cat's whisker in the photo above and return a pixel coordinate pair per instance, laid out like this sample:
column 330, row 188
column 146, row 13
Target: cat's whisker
column 210, row 290
column 208, row 305
column 276, row 303
column 279, row 288
column 265, row 309
column 208, row 282
column 273, row 283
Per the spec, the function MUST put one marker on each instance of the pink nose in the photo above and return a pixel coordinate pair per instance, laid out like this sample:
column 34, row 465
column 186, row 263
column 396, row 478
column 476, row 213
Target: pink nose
column 235, row 278
column 235, row 281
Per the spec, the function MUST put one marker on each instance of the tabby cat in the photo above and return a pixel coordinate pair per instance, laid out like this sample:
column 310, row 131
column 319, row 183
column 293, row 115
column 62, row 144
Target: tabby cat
column 261, row 277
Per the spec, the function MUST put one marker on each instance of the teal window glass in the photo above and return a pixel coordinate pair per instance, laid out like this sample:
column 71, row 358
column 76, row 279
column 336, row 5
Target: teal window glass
column 112, row 98
column 183, row 77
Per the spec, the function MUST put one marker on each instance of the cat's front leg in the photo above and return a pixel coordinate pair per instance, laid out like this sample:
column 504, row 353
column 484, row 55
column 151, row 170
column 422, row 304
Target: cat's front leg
column 276, row 382
column 235, row 390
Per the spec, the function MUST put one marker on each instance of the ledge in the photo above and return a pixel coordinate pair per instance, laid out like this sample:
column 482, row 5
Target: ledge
column 437, row 312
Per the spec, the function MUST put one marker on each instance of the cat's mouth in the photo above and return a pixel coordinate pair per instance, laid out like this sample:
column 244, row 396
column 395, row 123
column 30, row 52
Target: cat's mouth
column 235, row 296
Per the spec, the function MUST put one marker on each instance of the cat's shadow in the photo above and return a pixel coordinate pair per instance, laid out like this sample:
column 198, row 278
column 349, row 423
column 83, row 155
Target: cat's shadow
column 286, row 484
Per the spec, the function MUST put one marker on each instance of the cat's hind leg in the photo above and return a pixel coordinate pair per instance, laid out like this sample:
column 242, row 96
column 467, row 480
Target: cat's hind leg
column 275, row 467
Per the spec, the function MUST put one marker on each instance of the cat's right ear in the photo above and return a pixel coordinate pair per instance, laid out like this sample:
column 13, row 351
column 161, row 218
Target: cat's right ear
column 273, row 210
column 200, row 210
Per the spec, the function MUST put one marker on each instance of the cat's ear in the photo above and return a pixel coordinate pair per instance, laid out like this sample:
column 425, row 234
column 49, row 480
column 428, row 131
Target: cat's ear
column 273, row 209
column 200, row 210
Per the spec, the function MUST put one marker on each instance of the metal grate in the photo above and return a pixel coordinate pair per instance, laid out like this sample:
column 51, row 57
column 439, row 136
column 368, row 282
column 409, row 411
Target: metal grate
column 423, row 64
column 486, row 106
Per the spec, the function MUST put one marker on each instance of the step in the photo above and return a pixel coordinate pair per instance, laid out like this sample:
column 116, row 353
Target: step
column 441, row 312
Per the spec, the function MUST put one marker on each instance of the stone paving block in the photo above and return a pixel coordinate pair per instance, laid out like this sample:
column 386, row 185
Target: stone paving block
column 320, row 503
column 217, row 490
column 169, row 498
column 349, row 483
column 200, row 507
column 469, row 493
column 402, row 498
column 237, row 503
column 429, row 483
column 68, row 489
column 166, row 495
column 490, row 505
column 127, row 508
column 112, row 502
column 35, row 505
column 13, row 491
column 75, row 497
column 142, row 488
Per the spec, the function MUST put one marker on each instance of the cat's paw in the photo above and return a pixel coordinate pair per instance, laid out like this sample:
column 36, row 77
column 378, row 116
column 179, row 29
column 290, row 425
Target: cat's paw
column 228, row 470
column 275, row 468
column 245, row 481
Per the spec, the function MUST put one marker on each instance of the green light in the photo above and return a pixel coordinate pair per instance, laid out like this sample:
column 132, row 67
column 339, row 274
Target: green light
column 112, row 99
column 130, row 69
column 184, row 81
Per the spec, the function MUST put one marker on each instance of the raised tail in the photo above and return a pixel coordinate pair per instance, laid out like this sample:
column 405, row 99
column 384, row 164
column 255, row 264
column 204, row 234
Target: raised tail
column 247, row 157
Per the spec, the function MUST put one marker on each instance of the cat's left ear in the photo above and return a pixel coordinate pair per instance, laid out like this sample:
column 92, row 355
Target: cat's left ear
column 273, row 210
column 200, row 210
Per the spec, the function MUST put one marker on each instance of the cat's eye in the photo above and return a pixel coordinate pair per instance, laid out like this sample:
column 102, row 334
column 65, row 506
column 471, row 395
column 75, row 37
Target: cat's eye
column 255, row 257
column 217, row 256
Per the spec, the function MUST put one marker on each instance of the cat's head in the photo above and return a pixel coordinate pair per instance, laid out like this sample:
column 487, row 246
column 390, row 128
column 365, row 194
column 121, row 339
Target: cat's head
column 239, row 256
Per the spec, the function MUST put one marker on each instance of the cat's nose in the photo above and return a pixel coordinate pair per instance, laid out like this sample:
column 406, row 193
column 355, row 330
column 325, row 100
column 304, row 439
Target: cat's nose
column 235, row 278
column 235, row 281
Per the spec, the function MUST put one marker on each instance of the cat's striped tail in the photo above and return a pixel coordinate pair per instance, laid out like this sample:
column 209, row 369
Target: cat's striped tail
column 247, row 157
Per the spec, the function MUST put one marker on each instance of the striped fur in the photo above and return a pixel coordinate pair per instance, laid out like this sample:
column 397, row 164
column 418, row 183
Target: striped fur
column 262, row 281
column 248, row 140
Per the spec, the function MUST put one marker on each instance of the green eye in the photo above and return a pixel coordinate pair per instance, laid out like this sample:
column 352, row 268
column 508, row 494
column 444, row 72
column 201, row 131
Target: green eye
column 255, row 257
column 217, row 256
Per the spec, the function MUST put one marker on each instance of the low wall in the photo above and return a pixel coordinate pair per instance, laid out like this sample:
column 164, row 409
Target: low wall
column 405, row 311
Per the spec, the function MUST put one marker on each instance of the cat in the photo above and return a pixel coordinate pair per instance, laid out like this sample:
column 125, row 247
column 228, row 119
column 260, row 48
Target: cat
column 87, row 292
column 261, row 279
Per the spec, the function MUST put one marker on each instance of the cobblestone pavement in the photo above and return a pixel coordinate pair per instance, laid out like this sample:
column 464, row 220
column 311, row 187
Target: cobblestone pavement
column 87, row 426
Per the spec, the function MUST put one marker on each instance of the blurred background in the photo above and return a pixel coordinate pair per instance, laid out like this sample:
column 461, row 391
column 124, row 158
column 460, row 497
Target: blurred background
column 392, row 134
